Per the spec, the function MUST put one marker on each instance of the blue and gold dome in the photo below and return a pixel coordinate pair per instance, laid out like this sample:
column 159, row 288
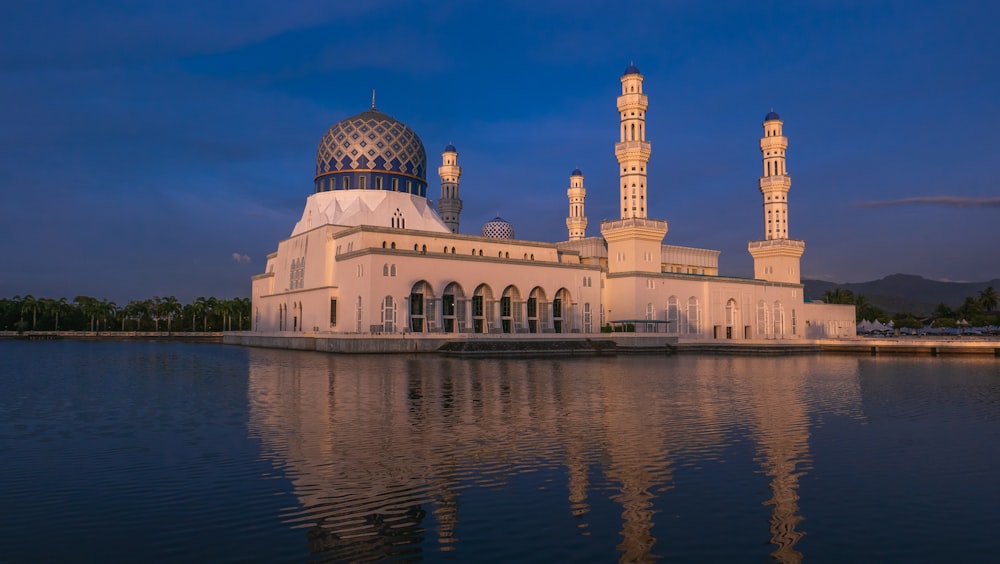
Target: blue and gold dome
column 371, row 151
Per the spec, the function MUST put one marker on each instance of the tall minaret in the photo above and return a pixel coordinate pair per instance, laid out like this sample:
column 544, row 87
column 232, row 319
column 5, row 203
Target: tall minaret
column 635, row 241
column 776, row 258
column 576, row 223
column 450, row 205
column 775, row 182
column 633, row 149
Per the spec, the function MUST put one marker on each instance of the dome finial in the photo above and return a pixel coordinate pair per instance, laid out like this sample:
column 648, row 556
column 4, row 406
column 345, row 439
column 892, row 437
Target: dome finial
column 373, row 98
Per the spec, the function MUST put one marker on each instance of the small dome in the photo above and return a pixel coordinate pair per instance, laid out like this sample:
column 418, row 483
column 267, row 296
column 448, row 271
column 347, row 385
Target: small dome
column 576, row 172
column 498, row 228
column 450, row 149
column 632, row 69
column 772, row 116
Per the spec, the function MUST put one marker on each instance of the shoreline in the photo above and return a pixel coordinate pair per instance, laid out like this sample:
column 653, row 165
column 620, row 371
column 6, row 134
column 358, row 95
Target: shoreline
column 519, row 345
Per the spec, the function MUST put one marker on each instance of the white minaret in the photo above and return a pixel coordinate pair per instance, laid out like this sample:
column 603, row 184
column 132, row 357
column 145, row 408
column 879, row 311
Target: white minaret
column 634, row 241
column 450, row 205
column 632, row 150
column 776, row 257
column 576, row 223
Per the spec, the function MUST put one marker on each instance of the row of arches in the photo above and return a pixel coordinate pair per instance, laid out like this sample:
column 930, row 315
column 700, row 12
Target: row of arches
column 682, row 317
column 453, row 309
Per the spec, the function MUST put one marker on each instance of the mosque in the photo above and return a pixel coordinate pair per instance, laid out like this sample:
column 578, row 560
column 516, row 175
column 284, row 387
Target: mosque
column 370, row 253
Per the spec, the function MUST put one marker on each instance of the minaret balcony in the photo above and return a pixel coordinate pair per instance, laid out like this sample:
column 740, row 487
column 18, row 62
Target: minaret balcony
column 634, row 149
column 777, row 182
column 771, row 143
column 792, row 244
column 633, row 101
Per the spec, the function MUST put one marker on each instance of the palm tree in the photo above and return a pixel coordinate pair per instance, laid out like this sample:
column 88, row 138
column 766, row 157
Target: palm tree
column 200, row 306
column 107, row 309
column 988, row 299
column 155, row 310
column 243, row 307
column 29, row 303
column 224, row 307
column 170, row 307
column 89, row 307
column 53, row 307
column 211, row 305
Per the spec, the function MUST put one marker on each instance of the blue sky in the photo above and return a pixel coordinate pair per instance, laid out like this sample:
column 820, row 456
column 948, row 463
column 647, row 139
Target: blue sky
column 163, row 148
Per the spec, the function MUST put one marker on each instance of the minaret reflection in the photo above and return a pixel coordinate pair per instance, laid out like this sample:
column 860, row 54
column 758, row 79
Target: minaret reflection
column 780, row 407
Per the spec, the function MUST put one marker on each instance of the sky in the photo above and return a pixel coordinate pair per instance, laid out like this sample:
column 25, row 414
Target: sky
column 164, row 148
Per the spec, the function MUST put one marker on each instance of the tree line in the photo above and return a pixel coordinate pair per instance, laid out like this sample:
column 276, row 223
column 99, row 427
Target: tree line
column 976, row 311
column 84, row 313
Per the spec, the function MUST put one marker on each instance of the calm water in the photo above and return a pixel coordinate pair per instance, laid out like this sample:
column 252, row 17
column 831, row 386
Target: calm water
column 179, row 452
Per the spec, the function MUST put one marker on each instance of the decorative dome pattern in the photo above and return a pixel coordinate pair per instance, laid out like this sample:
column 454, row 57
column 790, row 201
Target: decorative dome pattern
column 371, row 142
column 498, row 228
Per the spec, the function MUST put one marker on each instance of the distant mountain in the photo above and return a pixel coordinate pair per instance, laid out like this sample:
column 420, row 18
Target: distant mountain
column 904, row 292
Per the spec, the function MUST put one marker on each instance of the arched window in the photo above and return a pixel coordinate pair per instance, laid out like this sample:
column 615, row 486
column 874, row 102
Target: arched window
column 761, row 319
column 693, row 316
column 385, row 270
column 673, row 315
column 388, row 315
column 779, row 320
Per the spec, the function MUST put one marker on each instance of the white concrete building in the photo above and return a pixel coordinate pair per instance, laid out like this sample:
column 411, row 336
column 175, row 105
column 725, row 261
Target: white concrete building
column 370, row 254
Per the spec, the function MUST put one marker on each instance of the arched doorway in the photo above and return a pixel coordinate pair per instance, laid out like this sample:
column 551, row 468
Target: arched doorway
column 562, row 318
column 538, row 311
column 453, row 305
column 483, row 305
column 510, row 310
column 421, row 307
column 732, row 317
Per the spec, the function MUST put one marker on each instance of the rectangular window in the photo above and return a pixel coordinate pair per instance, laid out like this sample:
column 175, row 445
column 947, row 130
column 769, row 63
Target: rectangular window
column 333, row 312
column 361, row 182
column 347, row 183
column 378, row 182
column 395, row 185
column 416, row 304
column 477, row 306
column 409, row 186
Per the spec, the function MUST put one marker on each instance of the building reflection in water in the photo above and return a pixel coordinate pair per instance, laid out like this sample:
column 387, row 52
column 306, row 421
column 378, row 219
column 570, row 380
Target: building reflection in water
column 379, row 450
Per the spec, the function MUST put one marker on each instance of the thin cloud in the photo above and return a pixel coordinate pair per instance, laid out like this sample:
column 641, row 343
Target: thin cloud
column 945, row 201
column 241, row 259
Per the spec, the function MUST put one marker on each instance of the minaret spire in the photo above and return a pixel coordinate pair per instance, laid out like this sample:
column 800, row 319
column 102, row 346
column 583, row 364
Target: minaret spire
column 576, row 222
column 373, row 98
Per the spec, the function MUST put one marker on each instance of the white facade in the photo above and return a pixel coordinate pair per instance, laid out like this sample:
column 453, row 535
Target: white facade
column 364, row 260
